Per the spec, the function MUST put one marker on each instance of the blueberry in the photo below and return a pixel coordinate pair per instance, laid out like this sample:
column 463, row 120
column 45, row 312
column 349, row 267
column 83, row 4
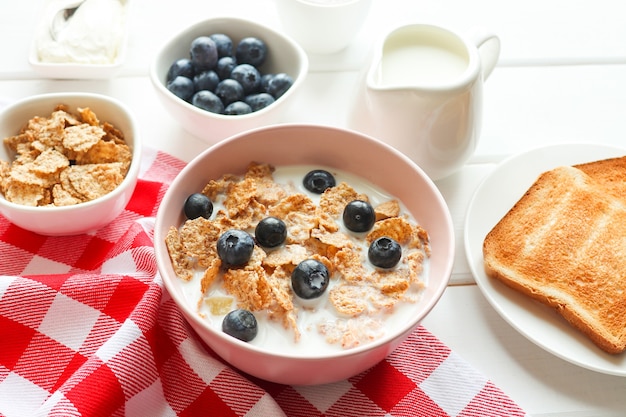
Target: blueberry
column 270, row 232
column 207, row 100
column 259, row 101
column 248, row 76
column 198, row 205
column 206, row 80
column 309, row 279
column 237, row 108
column 359, row 216
column 182, row 67
column 240, row 324
column 318, row 180
column 234, row 247
column 229, row 91
column 279, row 84
column 182, row 87
column 251, row 51
column 384, row 252
column 223, row 43
column 265, row 82
column 203, row 53
column 225, row 66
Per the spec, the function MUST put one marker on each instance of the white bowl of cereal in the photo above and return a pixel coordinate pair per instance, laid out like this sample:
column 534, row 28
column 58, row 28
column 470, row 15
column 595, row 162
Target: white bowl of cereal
column 249, row 75
column 69, row 162
column 310, row 326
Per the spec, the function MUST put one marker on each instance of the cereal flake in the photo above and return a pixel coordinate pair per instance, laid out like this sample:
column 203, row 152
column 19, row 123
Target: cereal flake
column 64, row 159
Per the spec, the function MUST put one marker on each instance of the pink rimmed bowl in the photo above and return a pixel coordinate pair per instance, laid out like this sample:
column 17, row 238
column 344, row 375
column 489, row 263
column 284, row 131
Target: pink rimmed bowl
column 348, row 151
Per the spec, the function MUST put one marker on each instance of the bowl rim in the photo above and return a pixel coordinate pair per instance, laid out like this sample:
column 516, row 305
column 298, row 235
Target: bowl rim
column 157, row 81
column 159, row 245
column 133, row 170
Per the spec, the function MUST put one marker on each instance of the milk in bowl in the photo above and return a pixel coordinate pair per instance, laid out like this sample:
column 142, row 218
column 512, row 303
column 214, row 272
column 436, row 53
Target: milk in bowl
column 361, row 302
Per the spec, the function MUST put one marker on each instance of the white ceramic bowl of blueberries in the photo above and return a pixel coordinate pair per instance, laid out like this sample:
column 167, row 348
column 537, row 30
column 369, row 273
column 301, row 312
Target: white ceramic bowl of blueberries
column 225, row 75
column 266, row 349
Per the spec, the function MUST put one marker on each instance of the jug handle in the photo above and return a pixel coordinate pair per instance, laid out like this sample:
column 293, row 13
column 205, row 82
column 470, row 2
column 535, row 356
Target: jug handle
column 488, row 45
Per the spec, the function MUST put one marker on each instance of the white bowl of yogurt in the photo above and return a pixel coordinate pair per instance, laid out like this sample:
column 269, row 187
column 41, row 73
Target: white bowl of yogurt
column 92, row 45
column 375, row 170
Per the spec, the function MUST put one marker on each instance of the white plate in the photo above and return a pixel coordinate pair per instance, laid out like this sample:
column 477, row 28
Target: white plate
column 492, row 200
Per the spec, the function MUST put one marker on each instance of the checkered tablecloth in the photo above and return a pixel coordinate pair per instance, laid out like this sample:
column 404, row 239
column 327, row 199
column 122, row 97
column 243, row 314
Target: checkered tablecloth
column 87, row 329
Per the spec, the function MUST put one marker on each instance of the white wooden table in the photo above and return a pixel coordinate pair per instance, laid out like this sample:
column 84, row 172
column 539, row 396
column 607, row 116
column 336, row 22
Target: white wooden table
column 561, row 78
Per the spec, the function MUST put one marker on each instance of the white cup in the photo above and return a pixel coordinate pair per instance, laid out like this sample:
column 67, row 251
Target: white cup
column 323, row 26
column 423, row 93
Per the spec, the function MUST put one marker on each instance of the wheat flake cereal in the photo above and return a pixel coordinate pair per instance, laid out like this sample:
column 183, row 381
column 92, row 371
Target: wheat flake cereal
column 360, row 299
column 64, row 158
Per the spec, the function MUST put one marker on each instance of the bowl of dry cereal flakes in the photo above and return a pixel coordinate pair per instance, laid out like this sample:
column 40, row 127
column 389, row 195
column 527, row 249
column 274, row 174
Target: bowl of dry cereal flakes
column 69, row 162
column 303, row 254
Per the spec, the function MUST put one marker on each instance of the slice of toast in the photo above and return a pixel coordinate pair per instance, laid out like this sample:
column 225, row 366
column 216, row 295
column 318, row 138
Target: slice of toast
column 611, row 173
column 564, row 244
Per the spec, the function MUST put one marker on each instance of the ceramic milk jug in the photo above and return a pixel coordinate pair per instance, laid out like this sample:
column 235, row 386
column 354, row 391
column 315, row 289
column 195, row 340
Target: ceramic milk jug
column 423, row 93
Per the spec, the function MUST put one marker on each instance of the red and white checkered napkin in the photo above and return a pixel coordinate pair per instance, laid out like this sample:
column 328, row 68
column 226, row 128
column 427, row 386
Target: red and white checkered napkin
column 86, row 329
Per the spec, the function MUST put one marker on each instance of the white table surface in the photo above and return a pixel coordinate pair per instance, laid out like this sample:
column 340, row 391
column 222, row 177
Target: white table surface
column 561, row 78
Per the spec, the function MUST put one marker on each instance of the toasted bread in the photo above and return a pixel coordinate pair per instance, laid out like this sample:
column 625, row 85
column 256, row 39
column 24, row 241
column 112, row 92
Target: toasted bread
column 564, row 244
column 611, row 173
